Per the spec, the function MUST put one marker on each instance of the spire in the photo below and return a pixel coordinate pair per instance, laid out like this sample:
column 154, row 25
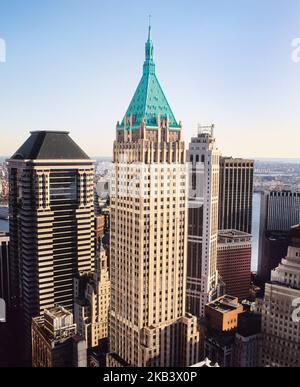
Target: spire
column 149, row 32
column 149, row 100
column 149, row 66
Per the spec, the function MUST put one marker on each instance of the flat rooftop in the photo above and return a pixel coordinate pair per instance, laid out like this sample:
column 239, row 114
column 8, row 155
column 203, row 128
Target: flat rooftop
column 225, row 304
column 233, row 233
column 57, row 312
column 236, row 160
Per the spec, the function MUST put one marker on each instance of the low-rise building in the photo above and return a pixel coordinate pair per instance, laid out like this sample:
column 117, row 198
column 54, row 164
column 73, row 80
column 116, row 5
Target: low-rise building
column 55, row 342
column 222, row 314
column 221, row 324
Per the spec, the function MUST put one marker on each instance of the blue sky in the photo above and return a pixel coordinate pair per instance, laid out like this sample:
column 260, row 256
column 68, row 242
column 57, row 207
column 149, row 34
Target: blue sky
column 74, row 65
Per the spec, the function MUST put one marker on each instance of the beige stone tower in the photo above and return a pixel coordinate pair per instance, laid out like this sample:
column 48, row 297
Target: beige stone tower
column 148, row 323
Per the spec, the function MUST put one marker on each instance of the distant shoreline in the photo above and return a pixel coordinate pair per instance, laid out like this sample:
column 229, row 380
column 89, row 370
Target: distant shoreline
column 277, row 160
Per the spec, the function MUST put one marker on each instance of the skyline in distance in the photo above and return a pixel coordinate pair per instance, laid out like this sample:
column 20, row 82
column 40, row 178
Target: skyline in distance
column 72, row 66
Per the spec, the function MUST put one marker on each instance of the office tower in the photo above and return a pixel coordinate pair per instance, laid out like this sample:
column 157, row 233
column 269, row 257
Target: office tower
column 280, row 310
column 234, row 262
column 51, row 223
column 92, row 299
column 4, row 268
column 282, row 210
column 279, row 212
column 55, row 342
column 202, row 276
column 221, row 317
column 148, row 323
column 248, row 341
column 236, row 194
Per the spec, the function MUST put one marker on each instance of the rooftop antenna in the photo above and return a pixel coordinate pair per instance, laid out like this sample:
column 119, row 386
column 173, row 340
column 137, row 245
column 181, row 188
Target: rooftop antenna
column 206, row 129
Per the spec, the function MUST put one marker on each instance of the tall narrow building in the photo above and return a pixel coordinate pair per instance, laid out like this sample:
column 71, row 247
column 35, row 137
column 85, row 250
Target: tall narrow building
column 202, row 275
column 51, row 211
column 236, row 194
column 148, row 322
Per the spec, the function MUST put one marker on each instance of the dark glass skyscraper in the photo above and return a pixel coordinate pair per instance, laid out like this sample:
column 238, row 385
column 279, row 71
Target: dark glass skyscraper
column 51, row 208
column 236, row 194
column 278, row 213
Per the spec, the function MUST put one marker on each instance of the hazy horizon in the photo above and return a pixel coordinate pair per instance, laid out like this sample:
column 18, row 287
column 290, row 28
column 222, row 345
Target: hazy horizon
column 262, row 159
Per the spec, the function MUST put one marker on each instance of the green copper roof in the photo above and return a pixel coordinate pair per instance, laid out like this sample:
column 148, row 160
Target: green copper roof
column 149, row 100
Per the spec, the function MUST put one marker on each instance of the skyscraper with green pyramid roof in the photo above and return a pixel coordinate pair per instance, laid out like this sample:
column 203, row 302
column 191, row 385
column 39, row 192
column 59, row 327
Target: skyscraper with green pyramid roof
column 149, row 103
column 148, row 323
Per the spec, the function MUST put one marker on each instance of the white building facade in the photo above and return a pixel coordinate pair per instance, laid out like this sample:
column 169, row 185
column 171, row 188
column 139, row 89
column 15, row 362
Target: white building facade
column 202, row 276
